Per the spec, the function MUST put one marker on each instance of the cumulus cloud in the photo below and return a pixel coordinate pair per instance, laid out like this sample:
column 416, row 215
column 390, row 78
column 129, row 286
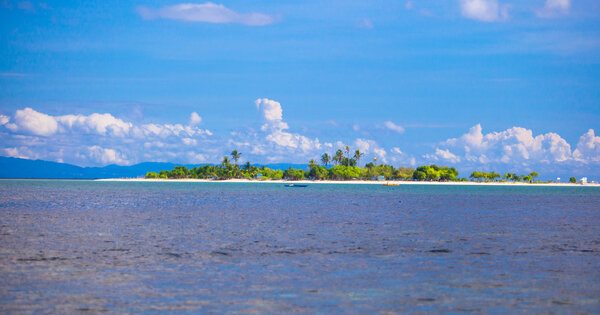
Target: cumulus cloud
column 588, row 148
column 106, row 156
column 271, row 110
column 78, row 137
column 17, row 153
column 189, row 141
column 276, row 128
column 553, row 8
column 391, row 126
column 207, row 12
column 516, row 147
column 103, row 124
column 443, row 155
column 484, row 10
column 195, row 119
column 32, row 122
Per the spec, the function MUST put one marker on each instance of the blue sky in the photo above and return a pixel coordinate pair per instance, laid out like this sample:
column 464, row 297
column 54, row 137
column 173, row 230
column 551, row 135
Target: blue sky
column 479, row 84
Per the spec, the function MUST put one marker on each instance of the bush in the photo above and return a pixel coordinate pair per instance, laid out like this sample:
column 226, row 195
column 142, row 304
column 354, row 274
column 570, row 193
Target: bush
column 152, row 175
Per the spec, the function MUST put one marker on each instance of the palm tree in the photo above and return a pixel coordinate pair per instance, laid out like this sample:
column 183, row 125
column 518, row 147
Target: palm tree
column 312, row 163
column 357, row 156
column 225, row 161
column 235, row 155
column 325, row 158
column 534, row 175
column 247, row 166
column 347, row 148
column 339, row 156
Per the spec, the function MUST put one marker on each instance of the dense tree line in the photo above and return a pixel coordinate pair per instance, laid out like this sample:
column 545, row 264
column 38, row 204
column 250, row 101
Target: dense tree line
column 493, row 176
column 344, row 167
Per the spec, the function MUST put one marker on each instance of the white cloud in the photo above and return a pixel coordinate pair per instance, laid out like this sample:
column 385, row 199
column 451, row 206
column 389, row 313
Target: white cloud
column 70, row 137
column 168, row 130
column 207, row 12
column 195, row 119
column 197, row 158
column 398, row 157
column 271, row 110
column 408, row 5
column 4, row 120
column 515, row 145
column 391, row 126
column 15, row 152
column 367, row 147
column 101, row 124
column 443, row 155
column 293, row 140
column 276, row 128
column 553, row 8
column 106, row 156
column 189, row 141
column 29, row 121
column 588, row 148
column 484, row 10
column 379, row 152
column 364, row 145
column 32, row 122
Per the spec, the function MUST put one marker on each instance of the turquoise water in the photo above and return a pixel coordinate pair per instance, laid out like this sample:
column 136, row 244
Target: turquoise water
column 82, row 246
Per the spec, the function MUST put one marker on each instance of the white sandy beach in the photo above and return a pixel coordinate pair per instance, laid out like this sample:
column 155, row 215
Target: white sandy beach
column 349, row 182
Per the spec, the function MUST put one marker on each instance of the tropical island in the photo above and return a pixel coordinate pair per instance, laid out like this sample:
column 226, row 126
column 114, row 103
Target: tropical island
column 340, row 167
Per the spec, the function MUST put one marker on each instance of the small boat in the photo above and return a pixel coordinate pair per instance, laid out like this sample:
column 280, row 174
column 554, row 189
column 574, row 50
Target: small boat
column 392, row 184
column 295, row 185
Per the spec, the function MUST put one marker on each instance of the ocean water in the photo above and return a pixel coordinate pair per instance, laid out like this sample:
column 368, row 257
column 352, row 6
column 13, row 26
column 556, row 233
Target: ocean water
column 83, row 246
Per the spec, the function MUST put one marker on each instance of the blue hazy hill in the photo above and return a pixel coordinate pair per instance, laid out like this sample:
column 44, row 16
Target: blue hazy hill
column 23, row 168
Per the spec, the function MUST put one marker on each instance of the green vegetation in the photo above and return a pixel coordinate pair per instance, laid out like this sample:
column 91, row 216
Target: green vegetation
column 435, row 173
column 493, row 176
column 573, row 180
column 345, row 167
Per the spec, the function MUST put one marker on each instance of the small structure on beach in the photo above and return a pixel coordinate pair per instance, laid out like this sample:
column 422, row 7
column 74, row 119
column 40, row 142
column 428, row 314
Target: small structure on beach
column 583, row 181
column 259, row 176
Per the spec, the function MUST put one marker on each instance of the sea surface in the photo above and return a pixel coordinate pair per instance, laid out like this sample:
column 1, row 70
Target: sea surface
column 134, row 247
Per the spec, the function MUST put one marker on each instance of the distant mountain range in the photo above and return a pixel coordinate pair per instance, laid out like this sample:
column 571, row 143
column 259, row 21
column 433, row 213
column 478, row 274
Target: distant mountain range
column 38, row 169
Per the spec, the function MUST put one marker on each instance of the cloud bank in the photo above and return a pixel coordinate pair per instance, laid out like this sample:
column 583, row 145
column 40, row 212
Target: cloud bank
column 484, row 10
column 101, row 139
column 96, row 139
column 207, row 12
column 516, row 147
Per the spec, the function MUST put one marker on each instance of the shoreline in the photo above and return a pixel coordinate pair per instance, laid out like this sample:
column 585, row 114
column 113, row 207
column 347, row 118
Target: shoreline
column 349, row 182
